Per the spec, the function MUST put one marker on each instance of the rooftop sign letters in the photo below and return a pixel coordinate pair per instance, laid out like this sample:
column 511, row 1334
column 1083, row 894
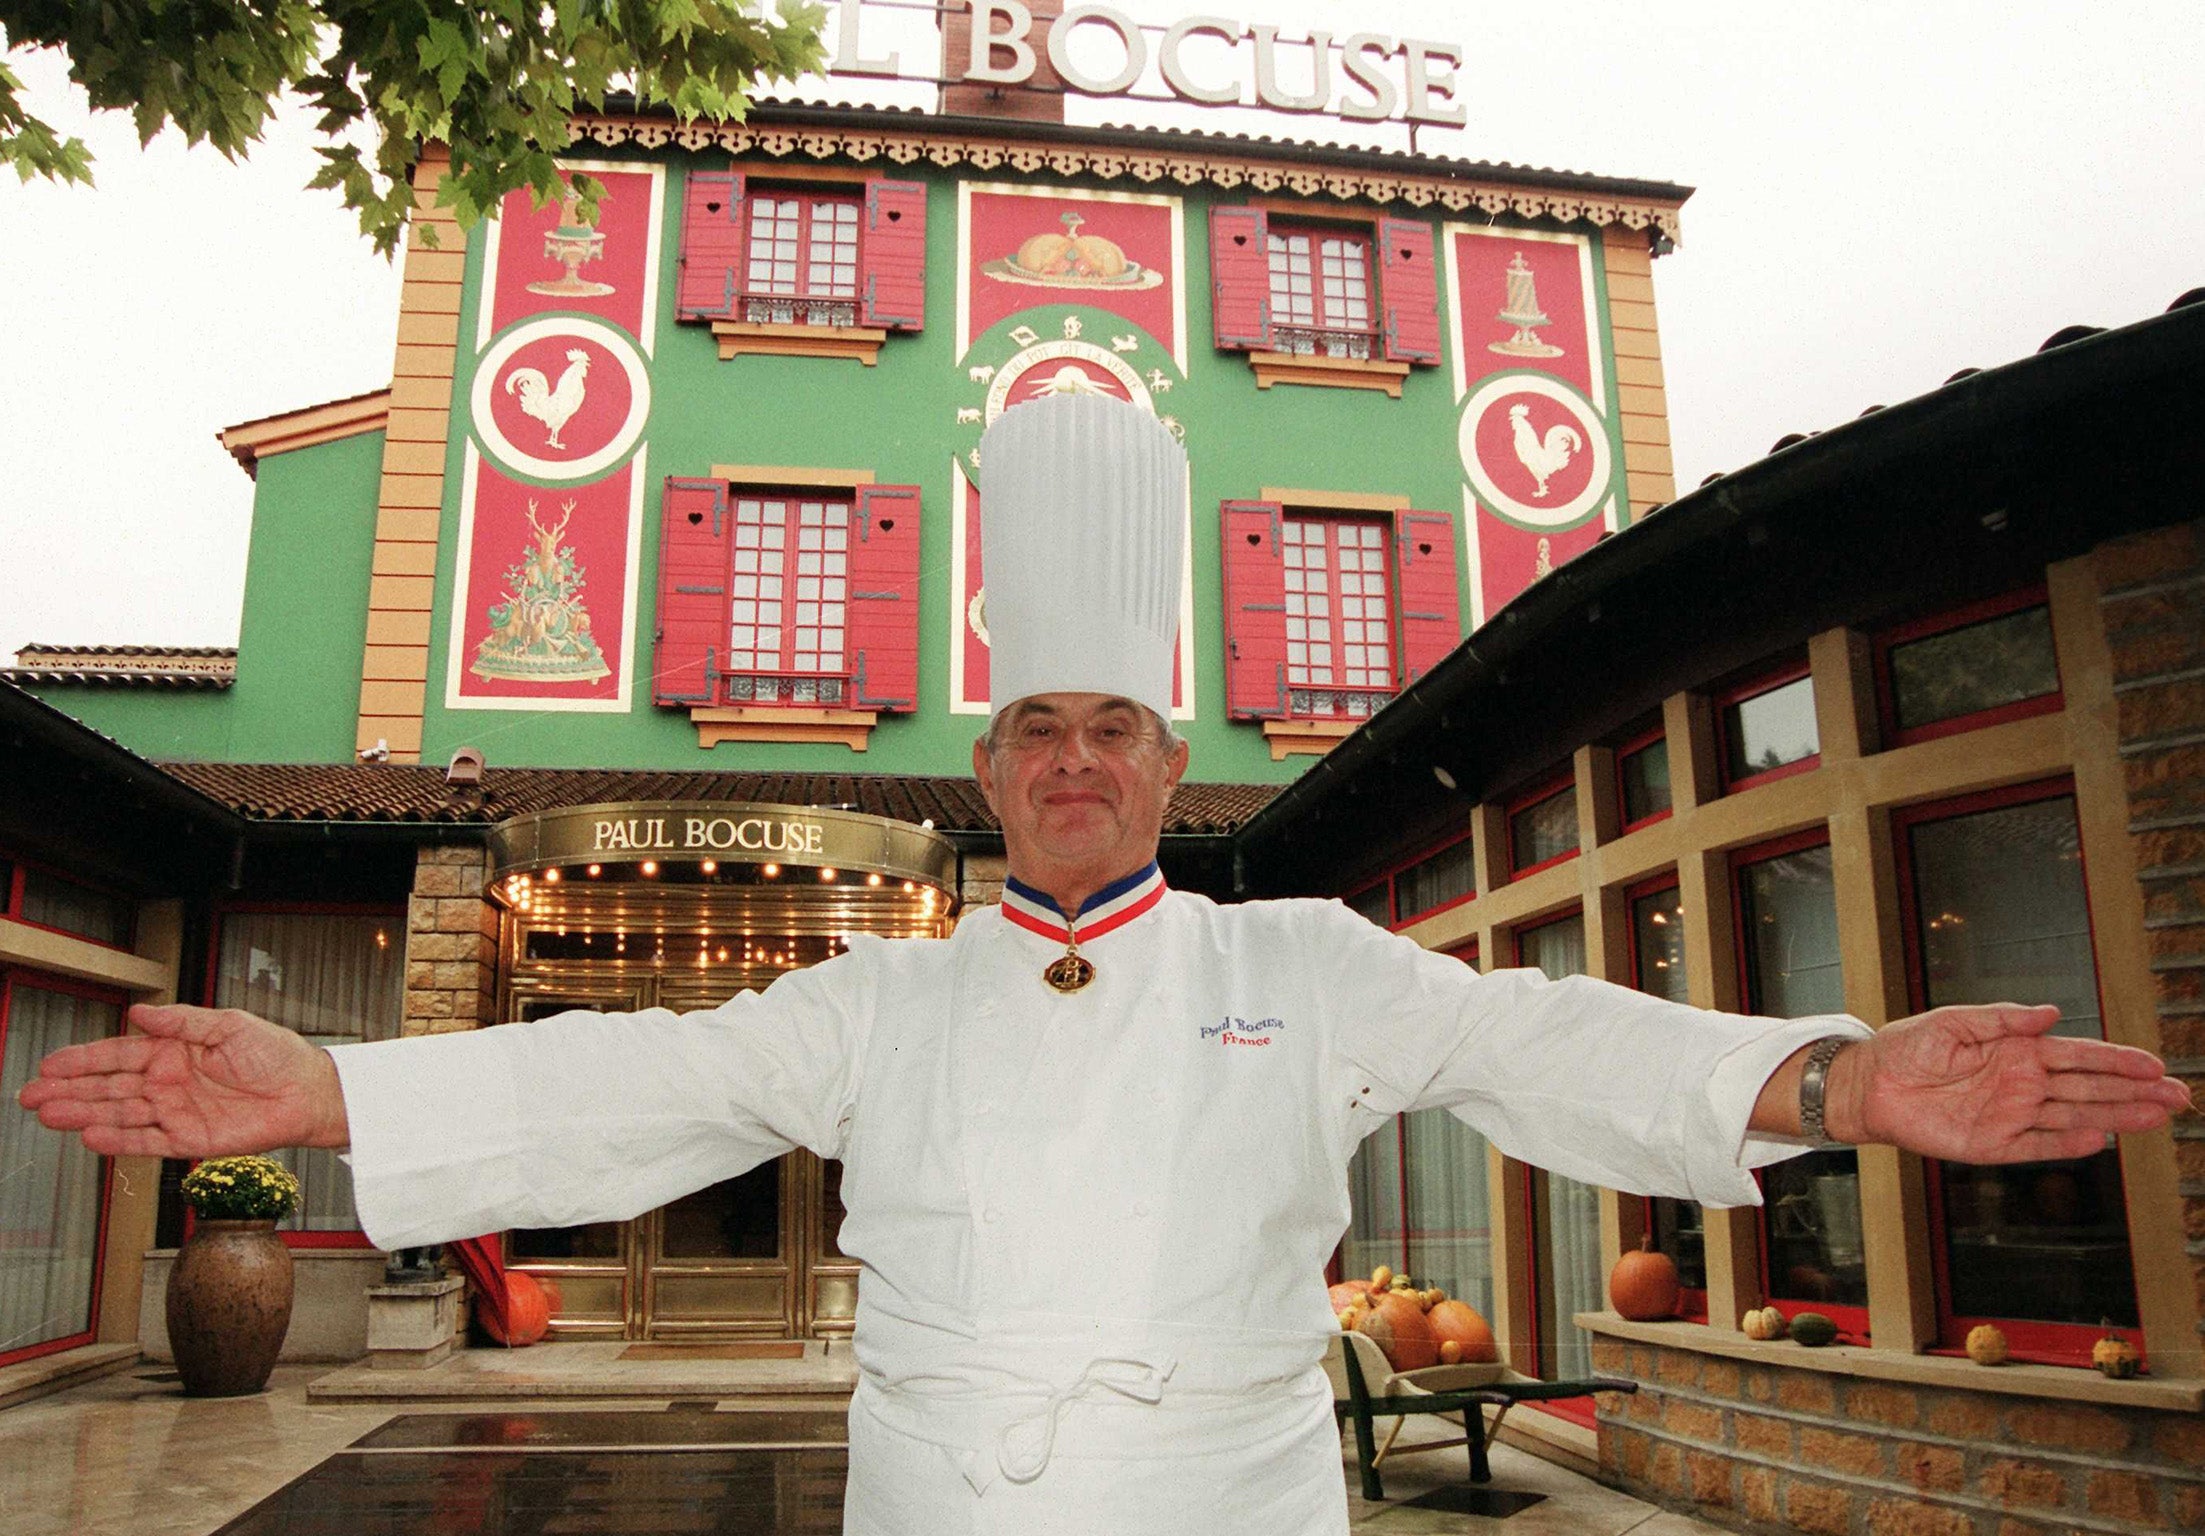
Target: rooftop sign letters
column 1379, row 78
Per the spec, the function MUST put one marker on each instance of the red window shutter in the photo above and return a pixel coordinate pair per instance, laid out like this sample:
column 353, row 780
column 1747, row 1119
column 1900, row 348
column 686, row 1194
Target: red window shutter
column 894, row 255
column 884, row 599
column 1254, row 562
column 1240, row 278
column 1409, row 289
column 711, row 246
column 692, row 593
column 1431, row 598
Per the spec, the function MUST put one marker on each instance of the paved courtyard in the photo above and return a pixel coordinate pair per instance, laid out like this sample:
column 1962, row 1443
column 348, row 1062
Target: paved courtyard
column 128, row 1455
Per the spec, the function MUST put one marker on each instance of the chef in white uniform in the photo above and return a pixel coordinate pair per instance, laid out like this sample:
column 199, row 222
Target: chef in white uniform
column 1095, row 1142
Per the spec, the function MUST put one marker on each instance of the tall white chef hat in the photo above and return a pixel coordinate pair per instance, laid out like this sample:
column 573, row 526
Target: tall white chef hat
column 1082, row 537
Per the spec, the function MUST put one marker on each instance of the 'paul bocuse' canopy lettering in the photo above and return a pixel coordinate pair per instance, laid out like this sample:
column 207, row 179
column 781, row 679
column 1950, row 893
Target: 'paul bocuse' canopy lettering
column 754, row 833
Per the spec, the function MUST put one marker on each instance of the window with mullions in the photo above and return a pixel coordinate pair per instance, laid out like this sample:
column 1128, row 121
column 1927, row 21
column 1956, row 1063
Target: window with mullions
column 788, row 600
column 802, row 266
column 1642, row 778
column 1565, row 1253
column 1321, row 293
column 51, row 1196
column 1992, row 663
column 1437, row 880
column 337, row 978
column 1657, row 967
column 1769, row 730
column 1786, row 904
column 69, row 906
column 1339, row 617
column 1999, row 911
column 1543, row 830
column 1374, row 902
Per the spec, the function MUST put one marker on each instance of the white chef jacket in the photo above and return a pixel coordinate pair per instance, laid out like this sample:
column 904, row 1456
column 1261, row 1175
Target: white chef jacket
column 1093, row 1226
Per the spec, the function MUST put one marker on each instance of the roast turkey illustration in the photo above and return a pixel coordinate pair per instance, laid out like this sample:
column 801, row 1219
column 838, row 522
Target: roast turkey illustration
column 553, row 404
column 1543, row 458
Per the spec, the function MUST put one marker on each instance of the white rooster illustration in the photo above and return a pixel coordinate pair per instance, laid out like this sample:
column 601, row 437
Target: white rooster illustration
column 1542, row 459
column 553, row 405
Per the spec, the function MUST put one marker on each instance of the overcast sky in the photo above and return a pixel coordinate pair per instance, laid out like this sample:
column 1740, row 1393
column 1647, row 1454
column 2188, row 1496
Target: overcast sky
column 1886, row 193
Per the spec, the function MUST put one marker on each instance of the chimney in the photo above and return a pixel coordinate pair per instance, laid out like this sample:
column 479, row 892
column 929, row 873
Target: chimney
column 1039, row 100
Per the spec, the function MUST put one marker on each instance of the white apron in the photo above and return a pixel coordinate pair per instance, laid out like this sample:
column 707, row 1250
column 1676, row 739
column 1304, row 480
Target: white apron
column 1093, row 1226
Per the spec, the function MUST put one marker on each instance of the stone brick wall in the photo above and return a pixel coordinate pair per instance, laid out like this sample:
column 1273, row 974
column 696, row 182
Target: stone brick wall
column 451, row 942
column 2152, row 593
column 1768, row 1448
column 980, row 880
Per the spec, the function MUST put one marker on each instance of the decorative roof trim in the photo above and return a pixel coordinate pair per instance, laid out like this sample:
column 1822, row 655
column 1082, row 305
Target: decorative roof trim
column 250, row 442
column 1457, row 193
column 170, row 666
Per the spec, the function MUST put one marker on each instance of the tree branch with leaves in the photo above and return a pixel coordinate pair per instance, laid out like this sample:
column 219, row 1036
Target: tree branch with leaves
column 497, row 82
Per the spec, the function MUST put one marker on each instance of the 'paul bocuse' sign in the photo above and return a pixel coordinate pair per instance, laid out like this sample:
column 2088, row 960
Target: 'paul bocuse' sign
column 1385, row 77
column 730, row 832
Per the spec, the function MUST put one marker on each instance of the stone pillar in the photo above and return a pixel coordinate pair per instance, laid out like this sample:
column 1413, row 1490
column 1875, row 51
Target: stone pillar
column 2152, row 596
column 451, row 942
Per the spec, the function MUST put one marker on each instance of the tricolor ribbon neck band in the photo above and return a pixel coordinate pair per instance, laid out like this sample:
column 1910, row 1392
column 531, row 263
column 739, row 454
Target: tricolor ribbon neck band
column 1110, row 908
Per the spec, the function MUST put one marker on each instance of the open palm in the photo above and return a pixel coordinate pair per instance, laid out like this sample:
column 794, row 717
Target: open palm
column 195, row 1082
column 1991, row 1085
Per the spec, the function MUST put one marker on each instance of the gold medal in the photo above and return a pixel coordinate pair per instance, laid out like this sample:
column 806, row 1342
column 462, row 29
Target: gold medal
column 1070, row 971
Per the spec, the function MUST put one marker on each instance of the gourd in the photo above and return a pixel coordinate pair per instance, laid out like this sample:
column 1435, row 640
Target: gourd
column 1644, row 1285
column 1763, row 1323
column 2113, row 1355
column 1402, row 1331
column 1986, row 1345
column 1458, row 1327
column 1813, row 1330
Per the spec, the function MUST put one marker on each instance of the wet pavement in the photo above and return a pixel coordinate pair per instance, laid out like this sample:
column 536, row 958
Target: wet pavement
column 129, row 1455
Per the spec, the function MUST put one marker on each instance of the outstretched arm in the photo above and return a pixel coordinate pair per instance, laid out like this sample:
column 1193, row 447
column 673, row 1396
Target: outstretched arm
column 1980, row 1085
column 192, row 1082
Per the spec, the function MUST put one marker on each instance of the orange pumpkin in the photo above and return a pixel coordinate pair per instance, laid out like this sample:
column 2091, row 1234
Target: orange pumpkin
column 1458, row 1323
column 528, row 1311
column 1349, row 1293
column 1407, row 1336
column 1644, row 1286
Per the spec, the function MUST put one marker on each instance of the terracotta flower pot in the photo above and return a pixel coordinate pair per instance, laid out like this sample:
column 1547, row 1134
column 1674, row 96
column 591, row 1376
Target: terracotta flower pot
column 229, row 1305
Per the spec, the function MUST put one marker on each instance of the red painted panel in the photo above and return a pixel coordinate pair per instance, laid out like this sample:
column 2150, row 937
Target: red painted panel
column 1031, row 248
column 893, row 258
column 532, row 276
column 884, row 598
column 1409, row 287
column 692, row 593
column 1431, row 604
column 711, row 245
column 1254, row 561
column 1240, row 278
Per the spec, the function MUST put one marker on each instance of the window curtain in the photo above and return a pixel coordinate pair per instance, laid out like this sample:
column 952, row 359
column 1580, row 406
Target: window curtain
column 49, row 1185
column 1450, row 1217
column 1374, row 1198
column 1568, row 1260
column 336, row 978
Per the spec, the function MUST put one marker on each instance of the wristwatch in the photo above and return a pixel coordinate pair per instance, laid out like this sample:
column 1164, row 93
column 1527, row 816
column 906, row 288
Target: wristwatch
column 1813, row 1080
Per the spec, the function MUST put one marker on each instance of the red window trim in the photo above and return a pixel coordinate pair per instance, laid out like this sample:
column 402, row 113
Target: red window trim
column 1392, row 876
column 1730, row 698
column 1546, row 789
column 1385, row 880
column 1631, row 747
column 45, row 981
column 1396, row 652
column 347, row 1237
column 2028, row 1339
column 11, row 901
column 1951, row 620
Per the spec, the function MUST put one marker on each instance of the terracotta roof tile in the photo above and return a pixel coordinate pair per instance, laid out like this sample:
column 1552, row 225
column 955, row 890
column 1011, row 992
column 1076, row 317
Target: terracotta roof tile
column 401, row 792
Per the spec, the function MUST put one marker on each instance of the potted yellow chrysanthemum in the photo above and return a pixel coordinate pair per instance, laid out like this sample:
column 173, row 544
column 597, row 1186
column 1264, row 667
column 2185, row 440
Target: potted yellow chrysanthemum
column 229, row 1296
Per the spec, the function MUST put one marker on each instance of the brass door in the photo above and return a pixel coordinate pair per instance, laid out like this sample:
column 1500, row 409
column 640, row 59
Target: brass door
column 753, row 1256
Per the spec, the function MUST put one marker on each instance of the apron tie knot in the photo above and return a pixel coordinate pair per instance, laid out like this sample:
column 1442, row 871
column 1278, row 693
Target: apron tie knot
column 1022, row 1450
